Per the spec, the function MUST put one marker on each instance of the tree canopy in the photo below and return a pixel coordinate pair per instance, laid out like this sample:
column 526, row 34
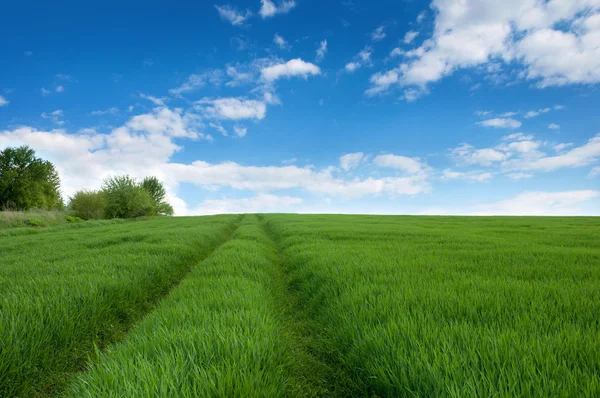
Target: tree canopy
column 27, row 181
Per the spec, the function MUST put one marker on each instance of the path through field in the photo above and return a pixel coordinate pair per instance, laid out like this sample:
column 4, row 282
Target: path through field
column 303, row 306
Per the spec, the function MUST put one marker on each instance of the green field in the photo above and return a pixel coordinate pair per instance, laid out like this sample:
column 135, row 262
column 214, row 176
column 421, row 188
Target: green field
column 302, row 305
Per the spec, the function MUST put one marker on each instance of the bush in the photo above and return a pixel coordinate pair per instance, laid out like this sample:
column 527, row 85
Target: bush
column 89, row 205
column 74, row 220
column 126, row 198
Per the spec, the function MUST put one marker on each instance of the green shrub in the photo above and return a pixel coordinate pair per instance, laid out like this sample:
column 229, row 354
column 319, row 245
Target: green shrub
column 89, row 205
column 36, row 222
column 74, row 219
column 126, row 198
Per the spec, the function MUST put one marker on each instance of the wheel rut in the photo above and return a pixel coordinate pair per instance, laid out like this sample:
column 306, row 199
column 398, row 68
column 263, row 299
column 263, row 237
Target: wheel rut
column 309, row 374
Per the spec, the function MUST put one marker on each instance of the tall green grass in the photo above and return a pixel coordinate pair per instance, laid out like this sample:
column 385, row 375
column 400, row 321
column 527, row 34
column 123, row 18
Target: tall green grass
column 219, row 334
column 417, row 306
column 295, row 306
column 65, row 291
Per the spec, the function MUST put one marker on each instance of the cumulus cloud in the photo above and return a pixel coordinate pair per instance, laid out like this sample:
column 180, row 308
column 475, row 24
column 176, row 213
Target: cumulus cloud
column 270, row 9
column 233, row 15
column 146, row 143
column 505, row 123
column 553, row 42
column 294, row 67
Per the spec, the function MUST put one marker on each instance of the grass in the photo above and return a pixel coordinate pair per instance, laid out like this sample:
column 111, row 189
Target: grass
column 34, row 218
column 65, row 292
column 294, row 306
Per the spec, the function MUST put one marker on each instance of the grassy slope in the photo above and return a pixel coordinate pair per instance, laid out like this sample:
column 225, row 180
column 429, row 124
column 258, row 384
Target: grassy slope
column 431, row 306
column 64, row 291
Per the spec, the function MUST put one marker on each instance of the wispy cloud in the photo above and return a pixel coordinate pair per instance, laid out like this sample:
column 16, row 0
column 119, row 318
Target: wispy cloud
column 270, row 9
column 233, row 15
column 321, row 51
column 110, row 111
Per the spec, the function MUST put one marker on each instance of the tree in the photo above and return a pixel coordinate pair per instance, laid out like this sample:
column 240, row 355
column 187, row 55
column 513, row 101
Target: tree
column 157, row 192
column 125, row 198
column 89, row 205
column 28, row 182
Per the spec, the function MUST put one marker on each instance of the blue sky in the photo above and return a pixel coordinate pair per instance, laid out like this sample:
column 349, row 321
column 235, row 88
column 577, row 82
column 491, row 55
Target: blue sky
column 349, row 106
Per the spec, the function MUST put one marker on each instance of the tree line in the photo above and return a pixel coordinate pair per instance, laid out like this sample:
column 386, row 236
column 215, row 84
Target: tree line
column 28, row 182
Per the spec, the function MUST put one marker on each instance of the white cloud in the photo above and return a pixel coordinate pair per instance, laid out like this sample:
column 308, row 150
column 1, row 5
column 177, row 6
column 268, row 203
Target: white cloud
column 519, row 176
column 540, row 204
column 294, row 67
column 280, row 41
column 501, row 123
column 145, row 144
column 154, row 100
column 269, row 9
column 410, row 36
column 240, row 131
column 554, row 42
column 406, row 164
column 232, row 108
column 44, row 91
column 196, row 81
column 421, row 16
column 110, row 111
column 3, row 101
column 471, row 176
column 517, row 137
column 351, row 161
column 352, row 66
column 397, row 52
column 594, row 172
column 563, row 146
column 576, row 157
column 553, row 126
column 59, row 89
column 238, row 77
column 509, row 114
column 232, row 15
column 219, row 128
column 257, row 204
column 468, row 155
column 54, row 116
column 321, row 51
column 378, row 34
column 363, row 58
